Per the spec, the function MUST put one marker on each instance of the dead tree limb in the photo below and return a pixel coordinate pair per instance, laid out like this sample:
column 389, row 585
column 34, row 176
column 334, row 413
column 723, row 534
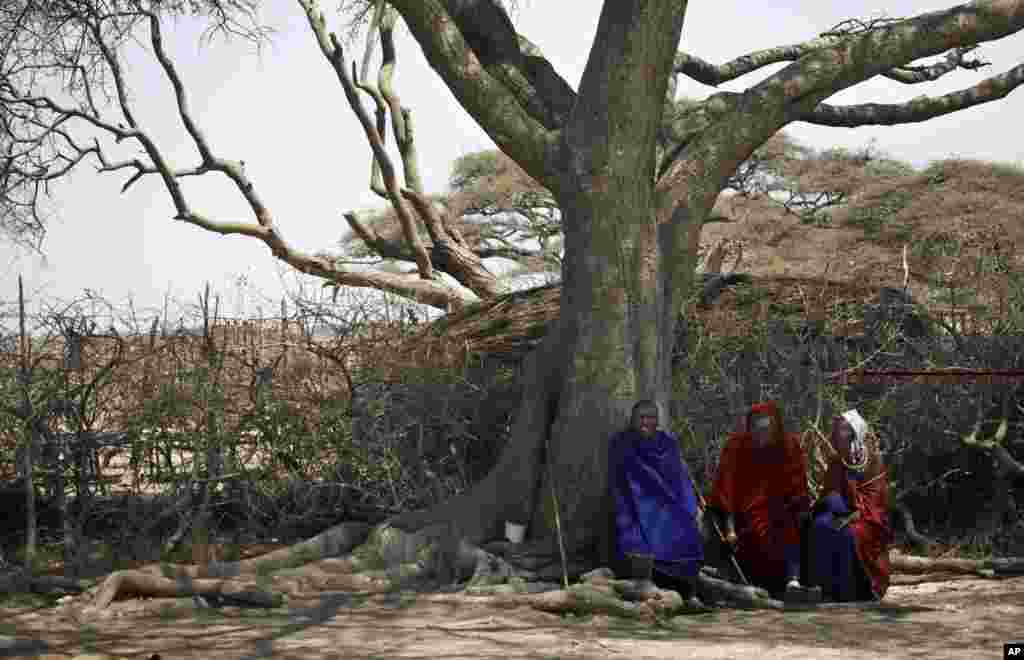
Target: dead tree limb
column 125, row 583
column 996, row 567
column 714, row 590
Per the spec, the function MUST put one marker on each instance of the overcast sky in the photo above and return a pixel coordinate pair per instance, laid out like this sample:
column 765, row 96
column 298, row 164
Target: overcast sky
column 284, row 113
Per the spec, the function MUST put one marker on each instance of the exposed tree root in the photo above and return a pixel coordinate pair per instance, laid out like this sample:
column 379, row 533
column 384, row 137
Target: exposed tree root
column 598, row 593
column 353, row 557
column 20, row 582
column 333, row 542
column 214, row 580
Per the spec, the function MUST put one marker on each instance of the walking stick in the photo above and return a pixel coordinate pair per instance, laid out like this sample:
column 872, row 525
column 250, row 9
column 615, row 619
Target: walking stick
column 703, row 507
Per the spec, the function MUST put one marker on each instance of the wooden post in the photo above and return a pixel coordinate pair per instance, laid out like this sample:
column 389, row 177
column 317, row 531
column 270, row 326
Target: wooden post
column 26, row 381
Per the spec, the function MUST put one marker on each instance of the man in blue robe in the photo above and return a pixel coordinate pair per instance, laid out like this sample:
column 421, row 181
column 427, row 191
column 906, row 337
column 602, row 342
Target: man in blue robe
column 655, row 505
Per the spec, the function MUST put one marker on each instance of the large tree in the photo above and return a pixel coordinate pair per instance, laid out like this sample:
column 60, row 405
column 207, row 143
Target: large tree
column 632, row 195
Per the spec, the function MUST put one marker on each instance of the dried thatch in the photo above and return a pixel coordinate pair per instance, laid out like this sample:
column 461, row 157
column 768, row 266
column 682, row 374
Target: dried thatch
column 509, row 326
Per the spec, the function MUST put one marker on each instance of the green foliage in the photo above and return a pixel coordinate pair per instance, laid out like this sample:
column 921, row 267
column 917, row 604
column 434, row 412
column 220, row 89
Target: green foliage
column 689, row 440
column 284, row 433
column 935, row 173
column 901, row 232
column 785, row 309
column 873, row 218
column 888, row 168
column 748, row 295
column 816, row 218
column 936, row 245
column 87, row 636
column 1014, row 322
column 470, row 168
column 835, row 153
column 1009, row 170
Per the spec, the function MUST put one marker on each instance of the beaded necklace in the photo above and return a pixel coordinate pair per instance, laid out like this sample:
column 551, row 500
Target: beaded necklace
column 857, row 465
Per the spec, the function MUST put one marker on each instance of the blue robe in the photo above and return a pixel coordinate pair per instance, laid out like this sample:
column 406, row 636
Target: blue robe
column 833, row 555
column 655, row 506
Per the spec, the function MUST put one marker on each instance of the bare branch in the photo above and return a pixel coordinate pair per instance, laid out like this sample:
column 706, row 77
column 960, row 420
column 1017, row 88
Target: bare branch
column 332, row 50
column 910, row 75
column 386, row 99
column 714, row 75
column 796, row 91
column 233, row 170
column 32, row 122
column 401, row 120
column 919, row 109
column 863, row 55
column 459, row 261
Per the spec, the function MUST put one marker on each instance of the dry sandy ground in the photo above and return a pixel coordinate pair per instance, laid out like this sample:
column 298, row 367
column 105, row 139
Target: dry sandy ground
column 964, row 618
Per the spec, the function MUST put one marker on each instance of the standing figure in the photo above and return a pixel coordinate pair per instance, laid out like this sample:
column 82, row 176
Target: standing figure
column 655, row 505
column 850, row 531
column 761, row 493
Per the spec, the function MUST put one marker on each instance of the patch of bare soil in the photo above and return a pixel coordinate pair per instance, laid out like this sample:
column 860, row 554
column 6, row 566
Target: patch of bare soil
column 959, row 618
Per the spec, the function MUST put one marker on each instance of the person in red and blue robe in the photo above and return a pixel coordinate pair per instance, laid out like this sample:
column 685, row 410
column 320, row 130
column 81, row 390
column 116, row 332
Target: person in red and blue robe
column 850, row 532
column 655, row 503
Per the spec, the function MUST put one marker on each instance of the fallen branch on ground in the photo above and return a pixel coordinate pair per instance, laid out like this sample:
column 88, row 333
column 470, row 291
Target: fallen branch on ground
column 995, row 567
column 714, row 589
column 125, row 583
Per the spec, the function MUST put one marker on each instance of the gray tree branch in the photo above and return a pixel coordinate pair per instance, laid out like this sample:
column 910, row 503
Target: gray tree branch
column 919, row 109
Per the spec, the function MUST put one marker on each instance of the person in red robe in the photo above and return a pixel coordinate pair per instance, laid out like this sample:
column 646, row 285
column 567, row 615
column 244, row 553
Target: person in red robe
column 850, row 531
column 761, row 494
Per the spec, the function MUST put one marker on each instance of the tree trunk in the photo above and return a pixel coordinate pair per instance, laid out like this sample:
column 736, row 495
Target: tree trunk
column 615, row 336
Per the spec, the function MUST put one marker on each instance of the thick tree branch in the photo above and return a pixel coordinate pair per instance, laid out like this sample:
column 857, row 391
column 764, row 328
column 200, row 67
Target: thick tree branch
column 397, row 250
column 714, row 75
column 459, row 261
column 506, row 251
column 858, row 57
column 512, row 60
column 795, row 91
column 919, row 109
column 489, row 102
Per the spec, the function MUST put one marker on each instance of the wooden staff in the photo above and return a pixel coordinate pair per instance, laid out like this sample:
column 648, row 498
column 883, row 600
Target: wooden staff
column 703, row 507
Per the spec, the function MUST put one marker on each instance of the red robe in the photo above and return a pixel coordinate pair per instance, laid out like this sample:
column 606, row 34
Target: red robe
column 765, row 489
column 871, row 530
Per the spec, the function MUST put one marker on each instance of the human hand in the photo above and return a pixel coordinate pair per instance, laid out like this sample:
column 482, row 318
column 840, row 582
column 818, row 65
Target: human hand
column 840, row 522
column 820, row 506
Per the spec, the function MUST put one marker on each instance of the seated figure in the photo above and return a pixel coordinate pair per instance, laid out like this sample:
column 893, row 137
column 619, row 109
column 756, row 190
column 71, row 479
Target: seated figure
column 761, row 494
column 655, row 505
column 847, row 542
